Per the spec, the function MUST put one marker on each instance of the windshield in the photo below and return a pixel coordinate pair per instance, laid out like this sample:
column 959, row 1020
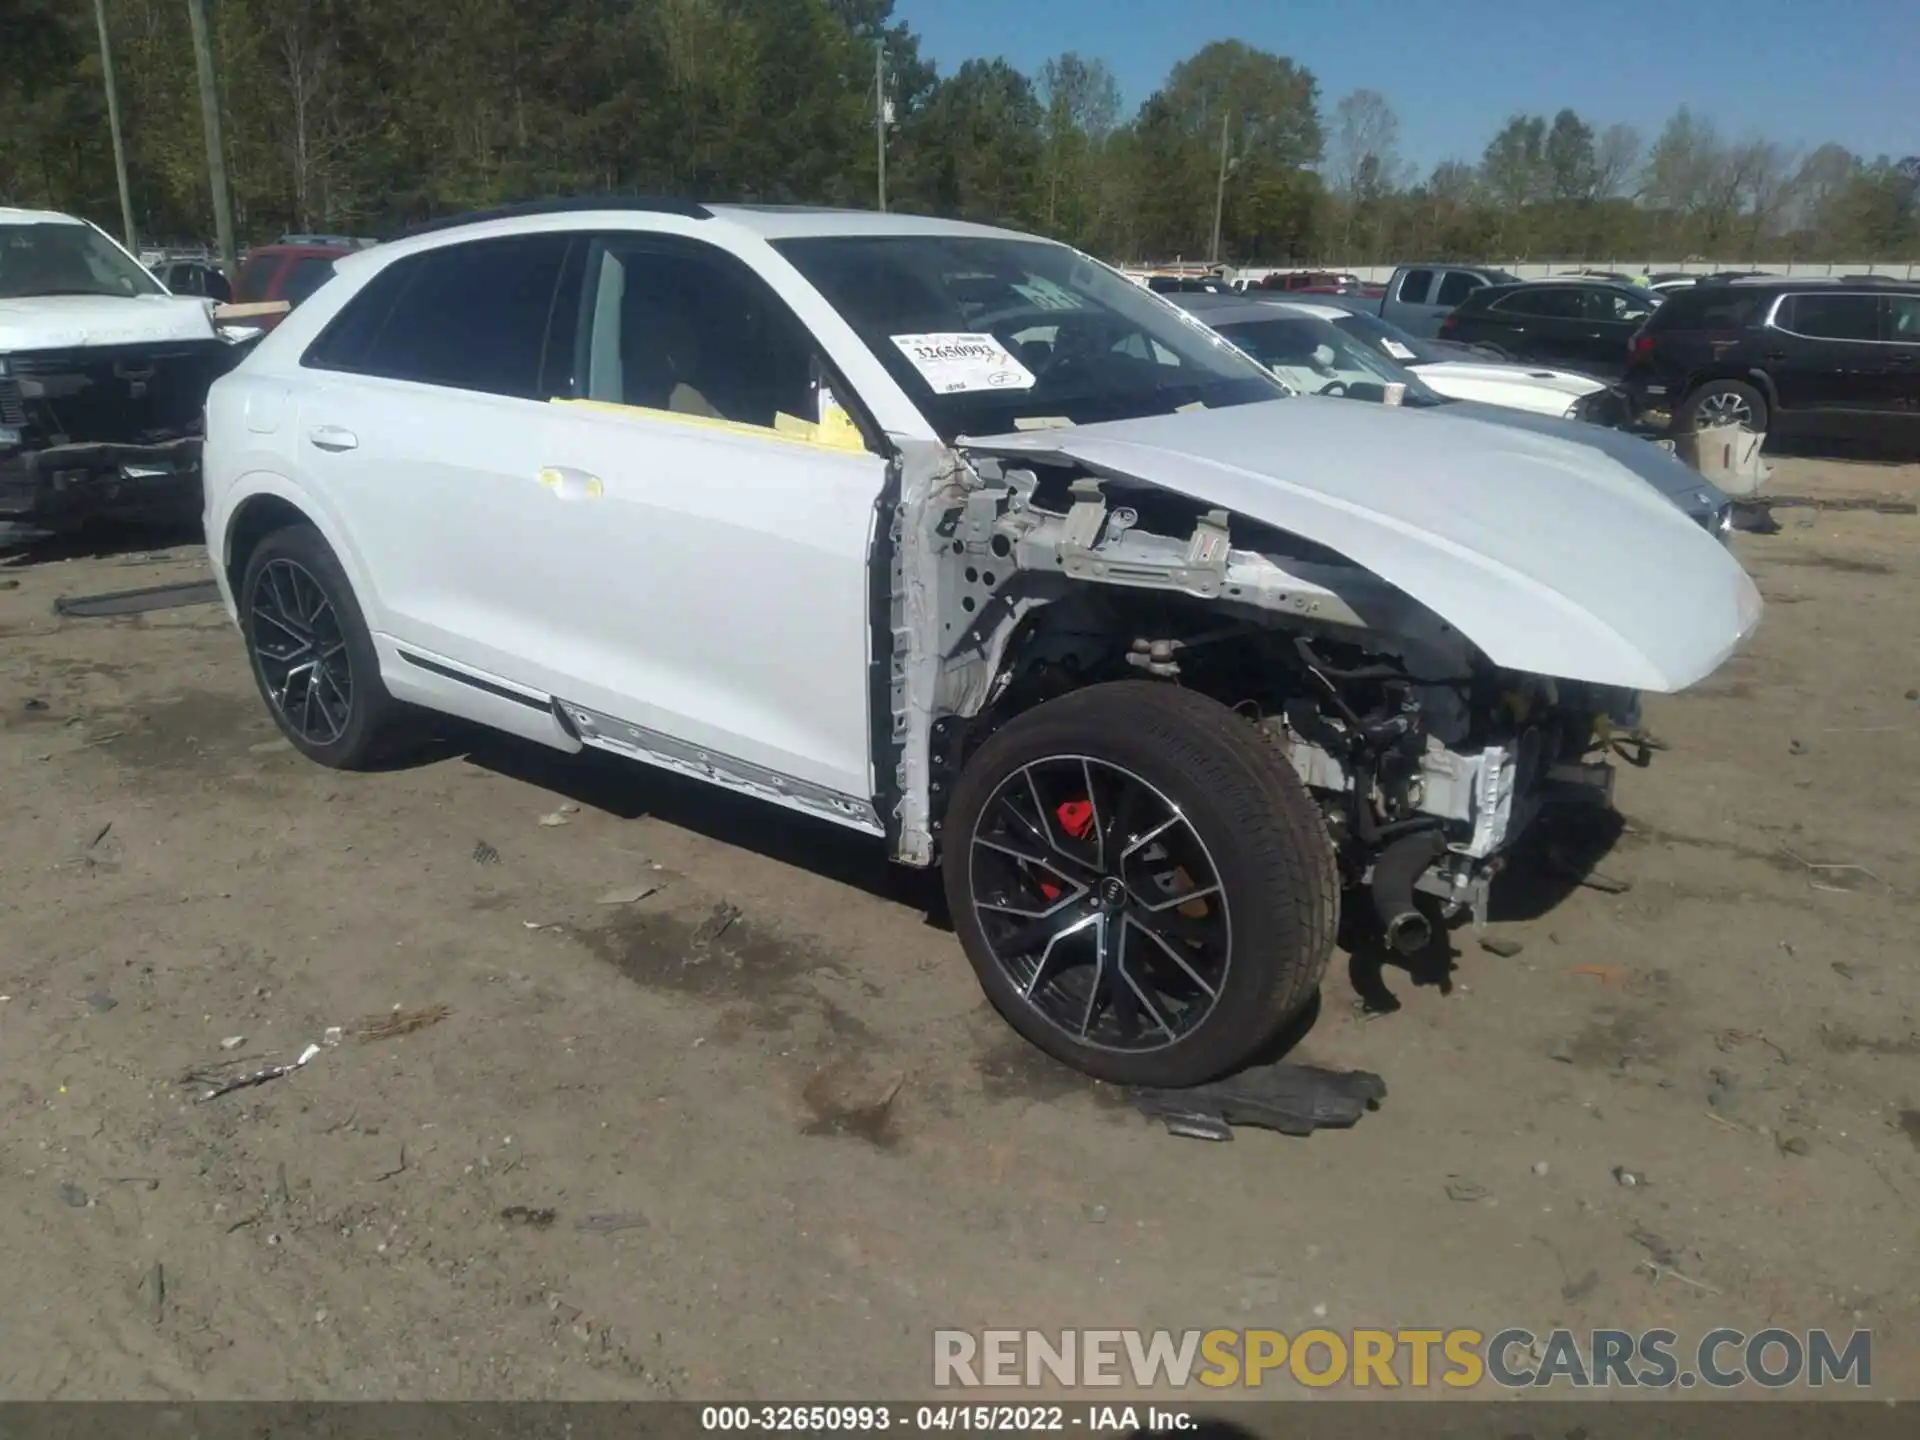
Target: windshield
column 1314, row 357
column 988, row 335
column 1390, row 340
column 64, row 258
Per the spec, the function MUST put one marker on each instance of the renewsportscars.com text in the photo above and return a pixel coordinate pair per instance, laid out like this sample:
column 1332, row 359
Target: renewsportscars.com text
column 1515, row 1358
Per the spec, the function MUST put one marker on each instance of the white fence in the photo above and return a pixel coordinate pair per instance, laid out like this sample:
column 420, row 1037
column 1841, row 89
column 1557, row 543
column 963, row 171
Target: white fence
column 1375, row 273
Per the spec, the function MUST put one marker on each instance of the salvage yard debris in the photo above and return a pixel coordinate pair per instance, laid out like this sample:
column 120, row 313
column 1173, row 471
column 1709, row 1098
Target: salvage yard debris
column 257, row 1077
column 1292, row 1099
column 534, row 1218
column 138, row 602
column 402, row 1022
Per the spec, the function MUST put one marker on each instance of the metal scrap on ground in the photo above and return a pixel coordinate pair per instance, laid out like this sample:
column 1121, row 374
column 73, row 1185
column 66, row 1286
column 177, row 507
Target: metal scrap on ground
column 138, row 602
column 1293, row 1099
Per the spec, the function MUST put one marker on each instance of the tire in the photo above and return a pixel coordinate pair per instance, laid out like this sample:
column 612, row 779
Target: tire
column 1730, row 398
column 293, row 598
column 1068, row 957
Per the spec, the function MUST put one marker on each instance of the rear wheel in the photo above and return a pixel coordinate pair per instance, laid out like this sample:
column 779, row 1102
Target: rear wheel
column 1142, row 884
column 1724, row 402
column 313, row 658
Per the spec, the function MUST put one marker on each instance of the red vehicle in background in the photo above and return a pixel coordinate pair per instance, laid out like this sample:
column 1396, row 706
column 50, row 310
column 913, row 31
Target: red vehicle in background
column 1313, row 282
column 288, row 270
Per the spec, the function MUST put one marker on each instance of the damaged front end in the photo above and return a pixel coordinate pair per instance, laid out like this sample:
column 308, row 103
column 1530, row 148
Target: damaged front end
column 1016, row 578
column 105, row 430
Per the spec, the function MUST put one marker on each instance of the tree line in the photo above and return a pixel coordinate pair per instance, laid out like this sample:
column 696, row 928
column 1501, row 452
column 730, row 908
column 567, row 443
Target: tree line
column 350, row 116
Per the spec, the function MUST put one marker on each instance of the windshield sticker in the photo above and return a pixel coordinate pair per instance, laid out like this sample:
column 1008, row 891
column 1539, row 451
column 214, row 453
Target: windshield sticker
column 954, row 363
column 1396, row 349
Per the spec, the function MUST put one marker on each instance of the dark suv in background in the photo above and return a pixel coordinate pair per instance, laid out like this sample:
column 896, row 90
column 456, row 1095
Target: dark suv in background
column 1582, row 324
column 1837, row 358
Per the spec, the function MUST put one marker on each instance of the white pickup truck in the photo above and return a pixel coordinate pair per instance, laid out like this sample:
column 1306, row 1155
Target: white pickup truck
column 103, row 378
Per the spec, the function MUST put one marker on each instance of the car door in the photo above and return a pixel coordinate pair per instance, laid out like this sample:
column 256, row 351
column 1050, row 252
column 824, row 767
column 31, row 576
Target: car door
column 1451, row 293
column 1547, row 324
column 1824, row 353
column 1613, row 316
column 1900, row 324
column 426, row 430
column 704, row 507
column 1406, row 302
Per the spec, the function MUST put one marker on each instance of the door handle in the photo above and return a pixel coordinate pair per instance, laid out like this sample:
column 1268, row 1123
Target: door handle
column 333, row 437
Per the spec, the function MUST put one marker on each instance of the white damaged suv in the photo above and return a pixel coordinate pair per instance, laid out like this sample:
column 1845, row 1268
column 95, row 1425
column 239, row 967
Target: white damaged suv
column 956, row 537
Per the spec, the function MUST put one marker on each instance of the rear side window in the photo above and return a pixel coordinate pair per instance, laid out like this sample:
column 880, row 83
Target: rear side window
column 1414, row 286
column 304, row 276
column 1711, row 307
column 1832, row 317
column 256, row 275
column 1903, row 319
column 1561, row 304
column 1612, row 306
column 1455, row 286
column 470, row 317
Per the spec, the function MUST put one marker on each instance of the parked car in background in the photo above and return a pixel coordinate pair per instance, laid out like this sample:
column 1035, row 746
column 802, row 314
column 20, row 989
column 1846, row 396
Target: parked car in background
column 1190, row 285
column 1785, row 356
column 193, row 277
column 607, row 476
column 1418, row 297
column 1586, row 324
column 1337, row 282
column 103, row 378
column 1463, row 372
column 289, row 272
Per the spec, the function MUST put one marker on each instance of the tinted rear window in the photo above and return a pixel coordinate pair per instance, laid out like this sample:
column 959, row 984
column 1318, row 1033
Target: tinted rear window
column 304, row 276
column 1456, row 286
column 1832, row 317
column 471, row 317
column 1413, row 286
column 1711, row 307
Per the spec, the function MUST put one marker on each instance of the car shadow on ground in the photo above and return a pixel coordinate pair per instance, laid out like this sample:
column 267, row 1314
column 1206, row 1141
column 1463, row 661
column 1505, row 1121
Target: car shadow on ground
column 22, row 547
column 628, row 790
column 1561, row 855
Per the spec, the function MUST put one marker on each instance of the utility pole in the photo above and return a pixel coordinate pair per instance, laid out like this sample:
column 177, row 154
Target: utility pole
column 113, row 123
column 216, row 147
column 880, row 117
column 1220, row 191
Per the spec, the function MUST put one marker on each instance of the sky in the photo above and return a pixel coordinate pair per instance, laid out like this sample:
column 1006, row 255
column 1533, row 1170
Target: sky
column 1454, row 70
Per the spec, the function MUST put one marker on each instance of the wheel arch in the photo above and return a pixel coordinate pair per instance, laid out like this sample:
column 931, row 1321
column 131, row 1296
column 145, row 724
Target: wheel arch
column 264, row 502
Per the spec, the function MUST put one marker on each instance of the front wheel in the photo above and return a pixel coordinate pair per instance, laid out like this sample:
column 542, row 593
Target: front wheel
column 313, row 657
column 1142, row 884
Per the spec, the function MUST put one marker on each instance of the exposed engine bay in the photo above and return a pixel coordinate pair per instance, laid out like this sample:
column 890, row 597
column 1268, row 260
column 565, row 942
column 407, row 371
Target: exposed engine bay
column 1428, row 761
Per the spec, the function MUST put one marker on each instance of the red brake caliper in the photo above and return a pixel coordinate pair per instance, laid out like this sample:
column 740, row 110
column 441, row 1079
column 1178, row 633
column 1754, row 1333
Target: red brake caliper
column 1076, row 818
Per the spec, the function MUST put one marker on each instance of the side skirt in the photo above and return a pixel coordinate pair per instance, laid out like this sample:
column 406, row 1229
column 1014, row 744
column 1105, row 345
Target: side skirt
column 636, row 742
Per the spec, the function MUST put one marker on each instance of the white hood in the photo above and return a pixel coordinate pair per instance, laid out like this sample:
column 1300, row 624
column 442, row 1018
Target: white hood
column 1524, row 387
column 1550, row 556
column 68, row 322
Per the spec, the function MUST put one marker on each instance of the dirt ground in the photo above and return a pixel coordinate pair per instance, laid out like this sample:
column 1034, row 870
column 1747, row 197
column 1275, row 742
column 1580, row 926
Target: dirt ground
column 710, row 1066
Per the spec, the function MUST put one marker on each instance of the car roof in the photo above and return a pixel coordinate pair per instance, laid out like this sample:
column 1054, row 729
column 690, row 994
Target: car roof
column 12, row 216
column 1817, row 282
column 766, row 222
column 323, row 252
